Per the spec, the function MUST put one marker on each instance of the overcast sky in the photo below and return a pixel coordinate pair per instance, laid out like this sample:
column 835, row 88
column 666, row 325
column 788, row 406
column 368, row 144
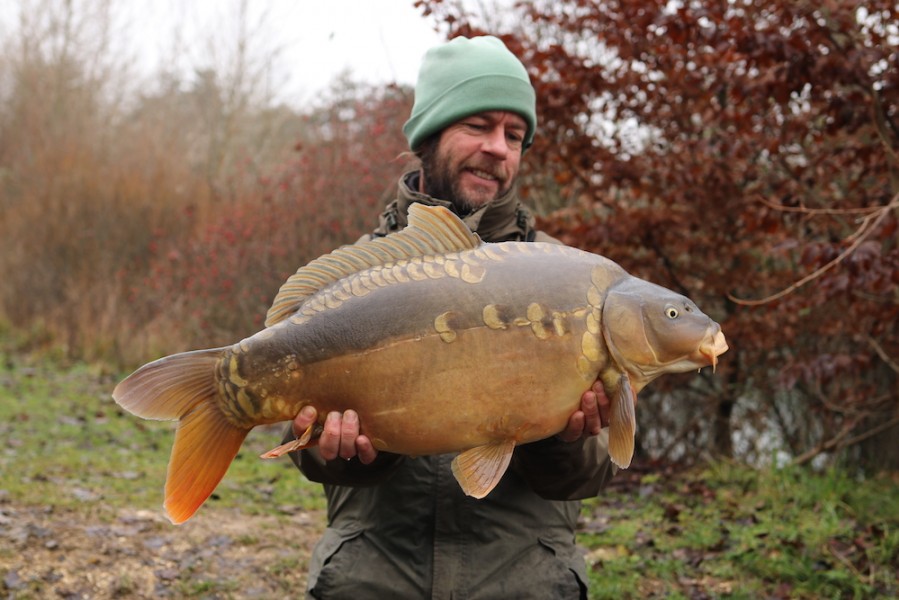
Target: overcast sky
column 304, row 44
column 310, row 41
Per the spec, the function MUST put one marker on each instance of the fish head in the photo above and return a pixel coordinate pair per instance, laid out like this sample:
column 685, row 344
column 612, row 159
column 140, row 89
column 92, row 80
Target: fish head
column 651, row 330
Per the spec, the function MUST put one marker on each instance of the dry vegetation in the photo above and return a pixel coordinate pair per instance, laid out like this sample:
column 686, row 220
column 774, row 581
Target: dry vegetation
column 146, row 220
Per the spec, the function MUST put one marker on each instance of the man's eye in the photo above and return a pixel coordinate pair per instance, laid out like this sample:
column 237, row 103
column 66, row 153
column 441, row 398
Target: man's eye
column 514, row 140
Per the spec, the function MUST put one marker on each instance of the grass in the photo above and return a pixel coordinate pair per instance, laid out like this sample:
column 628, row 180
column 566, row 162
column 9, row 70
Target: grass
column 718, row 531
column 728, row 531
column 66, row 443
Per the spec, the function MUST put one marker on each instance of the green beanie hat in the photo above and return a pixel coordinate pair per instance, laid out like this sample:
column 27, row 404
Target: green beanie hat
column 465, row 77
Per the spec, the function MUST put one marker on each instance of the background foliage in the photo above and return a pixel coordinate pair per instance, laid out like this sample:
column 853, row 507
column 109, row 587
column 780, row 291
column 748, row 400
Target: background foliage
column 742, row 152
column 138, row 224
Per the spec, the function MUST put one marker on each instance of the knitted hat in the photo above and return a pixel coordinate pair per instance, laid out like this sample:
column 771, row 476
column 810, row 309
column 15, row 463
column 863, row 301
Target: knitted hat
column 465, row 77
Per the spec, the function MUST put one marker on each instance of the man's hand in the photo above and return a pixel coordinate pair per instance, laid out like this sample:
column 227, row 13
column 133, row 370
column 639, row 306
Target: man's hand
column 591, row 418
column 340, row 436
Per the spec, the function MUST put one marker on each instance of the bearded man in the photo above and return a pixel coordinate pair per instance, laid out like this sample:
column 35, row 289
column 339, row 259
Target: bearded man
column 400, row 526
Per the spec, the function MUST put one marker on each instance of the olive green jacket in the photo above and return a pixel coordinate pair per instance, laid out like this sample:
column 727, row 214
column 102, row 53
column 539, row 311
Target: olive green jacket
column 402, row 527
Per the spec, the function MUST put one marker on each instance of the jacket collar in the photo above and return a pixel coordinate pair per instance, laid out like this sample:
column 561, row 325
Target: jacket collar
column 499, row 220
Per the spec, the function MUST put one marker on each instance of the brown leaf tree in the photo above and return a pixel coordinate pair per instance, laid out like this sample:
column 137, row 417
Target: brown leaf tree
column 745, row 154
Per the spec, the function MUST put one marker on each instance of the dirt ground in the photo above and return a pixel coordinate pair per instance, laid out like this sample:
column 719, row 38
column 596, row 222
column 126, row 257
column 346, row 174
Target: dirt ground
column 139, row 554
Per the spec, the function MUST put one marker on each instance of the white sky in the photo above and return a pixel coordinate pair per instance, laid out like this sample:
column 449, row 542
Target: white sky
column 307, row 42
column 302, row 45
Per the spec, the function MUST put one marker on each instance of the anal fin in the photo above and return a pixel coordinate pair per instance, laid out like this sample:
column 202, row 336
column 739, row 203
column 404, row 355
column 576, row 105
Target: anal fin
column 478, row 470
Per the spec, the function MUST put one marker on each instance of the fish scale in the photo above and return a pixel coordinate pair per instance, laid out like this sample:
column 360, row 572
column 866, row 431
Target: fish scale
column 440, row 342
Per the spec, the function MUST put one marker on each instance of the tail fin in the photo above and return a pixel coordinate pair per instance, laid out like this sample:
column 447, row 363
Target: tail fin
column 183, row 387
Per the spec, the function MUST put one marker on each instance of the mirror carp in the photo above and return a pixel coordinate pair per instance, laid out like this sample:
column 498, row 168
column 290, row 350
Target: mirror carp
column 440, row 342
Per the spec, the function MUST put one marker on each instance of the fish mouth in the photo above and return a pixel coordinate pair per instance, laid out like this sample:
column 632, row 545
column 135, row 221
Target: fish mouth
column 711, row 350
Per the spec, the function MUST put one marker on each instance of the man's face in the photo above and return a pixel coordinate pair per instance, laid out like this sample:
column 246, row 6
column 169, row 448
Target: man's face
column 476, row 160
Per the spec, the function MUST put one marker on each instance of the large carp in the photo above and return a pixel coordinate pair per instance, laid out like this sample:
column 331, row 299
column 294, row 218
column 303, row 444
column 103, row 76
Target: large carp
column 440, row 342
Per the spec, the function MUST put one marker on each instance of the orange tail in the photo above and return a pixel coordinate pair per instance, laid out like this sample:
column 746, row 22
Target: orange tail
column 183, row 387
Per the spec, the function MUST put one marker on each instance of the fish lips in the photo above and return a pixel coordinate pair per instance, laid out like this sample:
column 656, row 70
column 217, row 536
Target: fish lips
column 713, row 348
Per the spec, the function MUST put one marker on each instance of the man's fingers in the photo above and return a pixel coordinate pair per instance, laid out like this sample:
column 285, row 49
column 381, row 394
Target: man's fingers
column 590, row 408
column 574, row 429
column 303, row 420
column 329, row 442
column 365, row 450
column 349, row 431
column 603, row 403
column 339, row 437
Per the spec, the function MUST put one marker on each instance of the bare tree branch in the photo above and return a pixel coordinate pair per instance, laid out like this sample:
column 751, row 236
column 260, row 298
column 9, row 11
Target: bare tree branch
column 882, row 354
column 840, row 441
column 819, row 211
column 861, row 234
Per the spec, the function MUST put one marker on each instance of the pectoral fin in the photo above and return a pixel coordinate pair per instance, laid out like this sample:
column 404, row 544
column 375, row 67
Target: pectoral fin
column 623, row 424
column 304, row 441
column 479, row 470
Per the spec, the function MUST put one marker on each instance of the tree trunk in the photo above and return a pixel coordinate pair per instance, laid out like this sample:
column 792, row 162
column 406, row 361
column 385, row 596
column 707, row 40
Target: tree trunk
column 881, row 452
column 722, row 437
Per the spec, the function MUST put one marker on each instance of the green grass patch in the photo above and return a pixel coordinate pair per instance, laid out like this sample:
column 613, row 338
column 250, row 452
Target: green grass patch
column 730, row 531
column 65, row 443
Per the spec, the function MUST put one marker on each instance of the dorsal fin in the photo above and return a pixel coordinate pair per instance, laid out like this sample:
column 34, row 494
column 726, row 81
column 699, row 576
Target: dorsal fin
column 431, row 230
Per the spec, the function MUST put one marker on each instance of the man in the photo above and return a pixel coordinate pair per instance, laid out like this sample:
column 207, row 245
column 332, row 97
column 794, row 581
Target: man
column 399, row 526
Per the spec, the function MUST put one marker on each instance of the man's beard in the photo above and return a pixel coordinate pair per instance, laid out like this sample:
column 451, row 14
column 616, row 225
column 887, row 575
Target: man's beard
column 440, row 183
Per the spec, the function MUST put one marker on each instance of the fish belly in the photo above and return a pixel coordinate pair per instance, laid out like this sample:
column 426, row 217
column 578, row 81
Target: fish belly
column 427, row 396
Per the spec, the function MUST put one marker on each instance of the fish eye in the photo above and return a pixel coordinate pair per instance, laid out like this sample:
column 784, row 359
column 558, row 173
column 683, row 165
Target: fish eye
column 671, row 312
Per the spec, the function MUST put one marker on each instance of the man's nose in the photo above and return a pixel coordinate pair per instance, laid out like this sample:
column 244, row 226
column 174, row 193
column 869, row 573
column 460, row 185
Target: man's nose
column 495, row 142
